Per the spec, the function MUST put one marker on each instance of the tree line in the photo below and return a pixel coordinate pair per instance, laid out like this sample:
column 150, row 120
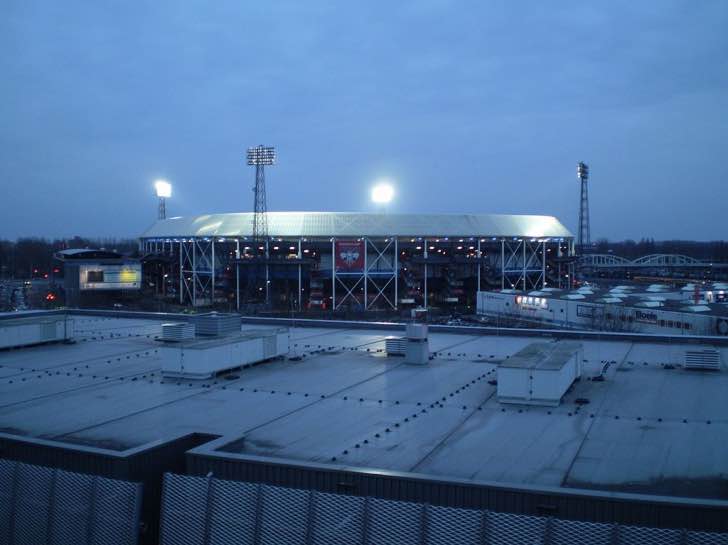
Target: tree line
column 33, row 257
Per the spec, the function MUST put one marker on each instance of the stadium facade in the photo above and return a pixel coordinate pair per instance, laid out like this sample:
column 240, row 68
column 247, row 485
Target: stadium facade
column 362, row 261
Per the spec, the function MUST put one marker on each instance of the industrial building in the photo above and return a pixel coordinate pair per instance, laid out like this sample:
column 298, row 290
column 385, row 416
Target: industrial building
column 334, row 261
column 691, row 310
column 92, row 277
column 625, row 433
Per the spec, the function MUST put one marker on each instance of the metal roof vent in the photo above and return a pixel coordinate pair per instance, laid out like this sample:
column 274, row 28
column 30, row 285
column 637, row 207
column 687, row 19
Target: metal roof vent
column 395, row 346
column 707, row 358
column 214, row 324
column 177, row 332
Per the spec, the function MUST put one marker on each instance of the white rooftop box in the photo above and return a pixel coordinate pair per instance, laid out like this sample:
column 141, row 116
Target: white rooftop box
column 539, row 374
column 416, row 331
column 200, row 359
column 44, row 328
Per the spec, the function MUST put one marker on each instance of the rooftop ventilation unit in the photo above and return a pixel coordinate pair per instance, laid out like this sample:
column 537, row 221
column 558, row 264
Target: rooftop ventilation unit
column 205, row 358
column 395, row 346
column 215, row 324
column 539, row 374
column 43, row 328
column 177, row 332
column 708, row 358
column 417, row 349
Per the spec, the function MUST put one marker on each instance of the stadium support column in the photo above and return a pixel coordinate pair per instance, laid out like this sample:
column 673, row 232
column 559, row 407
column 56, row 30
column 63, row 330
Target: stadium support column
column 267, row 272
column 543, row 264
column 503, row 264
column 366, row 274
column 212, row 274
column 237, row 274
column 478, row 255
column 333, row 273
column 425, row 298
column 194, row 272
column 558, row 260
column 525, row 262
column 300, row 286
column 396, row 273
column 572, row 266
column 181, row 276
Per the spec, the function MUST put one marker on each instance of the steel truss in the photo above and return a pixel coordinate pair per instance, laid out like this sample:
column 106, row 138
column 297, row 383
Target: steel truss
column 523, row 264
column 378, row 275
column 197, row 271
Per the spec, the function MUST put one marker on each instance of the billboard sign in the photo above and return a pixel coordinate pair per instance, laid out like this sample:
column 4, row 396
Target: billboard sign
column 110, row 276
column 349, row 256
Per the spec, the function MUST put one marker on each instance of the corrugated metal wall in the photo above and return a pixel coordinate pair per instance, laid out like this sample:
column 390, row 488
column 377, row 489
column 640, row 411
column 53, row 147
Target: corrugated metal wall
column 145, row 466
column 44, row 505
column 200, row 511
column 576, row 505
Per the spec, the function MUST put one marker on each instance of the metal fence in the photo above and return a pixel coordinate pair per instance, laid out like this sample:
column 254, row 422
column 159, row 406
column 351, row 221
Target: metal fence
column 208, row 511
column 44, row 505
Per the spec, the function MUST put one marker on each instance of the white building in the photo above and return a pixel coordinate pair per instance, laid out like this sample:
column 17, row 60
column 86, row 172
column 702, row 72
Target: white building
column 623, row 308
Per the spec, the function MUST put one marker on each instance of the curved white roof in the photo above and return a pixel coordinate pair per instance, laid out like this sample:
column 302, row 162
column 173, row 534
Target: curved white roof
column 353, row 224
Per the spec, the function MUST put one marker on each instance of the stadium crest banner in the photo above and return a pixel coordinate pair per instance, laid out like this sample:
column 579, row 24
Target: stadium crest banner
column 349, row 256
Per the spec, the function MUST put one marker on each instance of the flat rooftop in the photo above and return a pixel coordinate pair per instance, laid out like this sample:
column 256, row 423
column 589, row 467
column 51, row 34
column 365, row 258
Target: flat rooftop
column 340, row 400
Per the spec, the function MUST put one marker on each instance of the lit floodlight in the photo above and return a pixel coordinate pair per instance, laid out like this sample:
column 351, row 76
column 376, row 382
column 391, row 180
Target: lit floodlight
column 164, row 188
column 382, row 193
column 582, row 171
column 261, row 155
column 164, row 191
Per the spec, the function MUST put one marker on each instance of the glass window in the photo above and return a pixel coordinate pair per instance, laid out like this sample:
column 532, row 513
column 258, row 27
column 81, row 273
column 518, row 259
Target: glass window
column 95, row 277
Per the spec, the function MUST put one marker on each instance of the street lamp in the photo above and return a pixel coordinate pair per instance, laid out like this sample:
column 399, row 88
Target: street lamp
column 164, row 191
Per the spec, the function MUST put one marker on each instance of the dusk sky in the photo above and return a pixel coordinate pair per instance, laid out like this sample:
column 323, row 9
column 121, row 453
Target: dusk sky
column 469, row 107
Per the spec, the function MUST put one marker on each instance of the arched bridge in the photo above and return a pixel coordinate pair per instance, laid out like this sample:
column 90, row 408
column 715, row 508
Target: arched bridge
column 609, row 261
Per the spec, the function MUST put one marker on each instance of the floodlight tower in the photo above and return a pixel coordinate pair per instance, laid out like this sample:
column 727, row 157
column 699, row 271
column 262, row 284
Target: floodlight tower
column 583, row 238
column 260, row 157
column 164, row 191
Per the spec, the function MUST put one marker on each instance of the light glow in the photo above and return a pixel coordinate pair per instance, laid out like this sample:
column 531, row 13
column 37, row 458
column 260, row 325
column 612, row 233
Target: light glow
column 163, row 188
column 382, row 193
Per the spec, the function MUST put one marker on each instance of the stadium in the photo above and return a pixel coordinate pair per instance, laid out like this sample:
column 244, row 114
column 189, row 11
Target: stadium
column 357, row 261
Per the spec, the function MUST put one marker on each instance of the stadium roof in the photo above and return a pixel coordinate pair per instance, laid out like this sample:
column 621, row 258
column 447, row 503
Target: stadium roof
column 355, row 224
column 648, row 427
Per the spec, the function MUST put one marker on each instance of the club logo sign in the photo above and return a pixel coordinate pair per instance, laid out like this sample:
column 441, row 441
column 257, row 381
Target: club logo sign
column 349, row 256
